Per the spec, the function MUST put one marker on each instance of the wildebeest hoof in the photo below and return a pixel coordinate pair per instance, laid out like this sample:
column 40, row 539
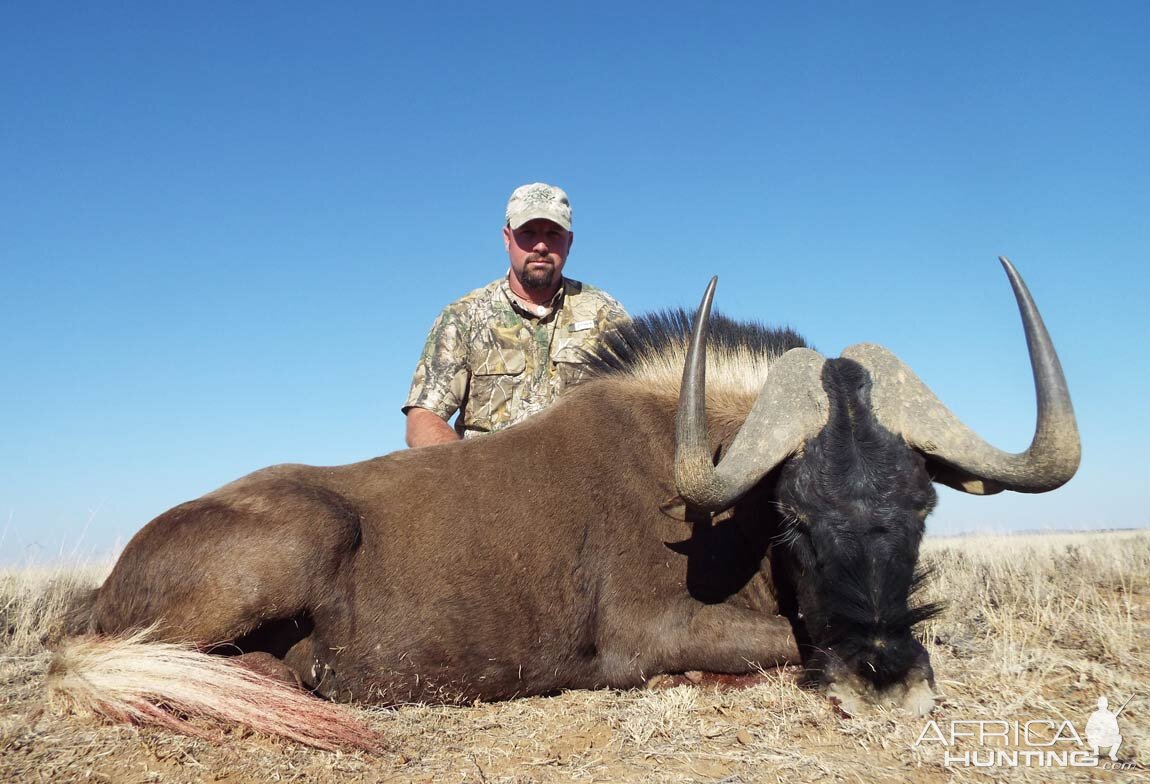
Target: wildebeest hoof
column 269, row 666
column 721, row 681
column 668, row 680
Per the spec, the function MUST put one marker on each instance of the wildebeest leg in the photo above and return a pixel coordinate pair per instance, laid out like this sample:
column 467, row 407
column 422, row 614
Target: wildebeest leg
column 213, row 570
column 266, row 664
column 726, row 638
column 315, row 673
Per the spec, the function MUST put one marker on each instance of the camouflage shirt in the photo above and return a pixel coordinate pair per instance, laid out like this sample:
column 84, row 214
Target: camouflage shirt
column 496, row 363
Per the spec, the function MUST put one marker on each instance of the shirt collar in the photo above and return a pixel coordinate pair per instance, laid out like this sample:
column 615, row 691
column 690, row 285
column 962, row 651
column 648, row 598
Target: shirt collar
column 530, row 308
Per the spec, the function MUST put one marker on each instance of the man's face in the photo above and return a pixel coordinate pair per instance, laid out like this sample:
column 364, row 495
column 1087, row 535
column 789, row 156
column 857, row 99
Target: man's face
column 538, row 250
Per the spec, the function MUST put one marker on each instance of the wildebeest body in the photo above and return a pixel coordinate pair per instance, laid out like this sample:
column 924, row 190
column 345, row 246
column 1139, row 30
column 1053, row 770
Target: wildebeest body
column 650, row 521
column 521, row 563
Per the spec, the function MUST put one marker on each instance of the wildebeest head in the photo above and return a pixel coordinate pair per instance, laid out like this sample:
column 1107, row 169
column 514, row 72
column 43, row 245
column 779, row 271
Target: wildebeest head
column 857, row 442
column 853, row 503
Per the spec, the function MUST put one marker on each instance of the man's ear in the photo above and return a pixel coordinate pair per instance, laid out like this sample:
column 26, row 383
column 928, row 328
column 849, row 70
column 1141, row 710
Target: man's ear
column 570, row 240
column 508, row 237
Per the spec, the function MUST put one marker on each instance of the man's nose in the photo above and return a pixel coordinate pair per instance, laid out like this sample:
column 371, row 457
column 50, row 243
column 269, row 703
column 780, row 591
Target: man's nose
column 540, row 247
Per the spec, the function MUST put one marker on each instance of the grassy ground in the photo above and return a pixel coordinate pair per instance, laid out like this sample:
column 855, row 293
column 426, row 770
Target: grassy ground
column 1036, row 628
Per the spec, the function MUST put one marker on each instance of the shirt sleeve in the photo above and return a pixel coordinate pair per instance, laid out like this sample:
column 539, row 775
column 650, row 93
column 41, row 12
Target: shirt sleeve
column 611, row 313
column 440, row 380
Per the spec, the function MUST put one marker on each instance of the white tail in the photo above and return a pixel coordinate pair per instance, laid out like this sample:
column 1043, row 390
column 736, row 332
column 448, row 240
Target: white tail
column 172, row 685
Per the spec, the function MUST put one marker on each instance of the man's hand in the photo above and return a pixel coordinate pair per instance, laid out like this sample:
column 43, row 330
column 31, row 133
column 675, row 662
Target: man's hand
column 425, row 428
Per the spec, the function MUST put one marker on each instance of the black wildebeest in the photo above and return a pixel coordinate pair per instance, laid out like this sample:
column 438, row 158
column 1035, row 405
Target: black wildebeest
column 649, row 522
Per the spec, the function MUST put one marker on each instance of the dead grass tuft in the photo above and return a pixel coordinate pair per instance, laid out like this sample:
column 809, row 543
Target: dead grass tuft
column 34, row 602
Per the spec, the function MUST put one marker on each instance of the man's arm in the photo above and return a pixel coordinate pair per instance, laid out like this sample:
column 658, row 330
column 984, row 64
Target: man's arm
column 440, row 382
column 612, row 314
column 425, row 428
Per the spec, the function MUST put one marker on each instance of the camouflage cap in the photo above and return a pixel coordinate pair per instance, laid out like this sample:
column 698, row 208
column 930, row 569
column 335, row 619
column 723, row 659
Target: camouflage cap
column 538, row 200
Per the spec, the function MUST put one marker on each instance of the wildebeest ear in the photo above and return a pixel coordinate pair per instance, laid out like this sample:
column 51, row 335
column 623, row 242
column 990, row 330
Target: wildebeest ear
column 961, row 481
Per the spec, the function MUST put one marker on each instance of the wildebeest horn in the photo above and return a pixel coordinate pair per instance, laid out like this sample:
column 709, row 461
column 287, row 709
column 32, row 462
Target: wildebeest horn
column 904, row 404
column 791, row 407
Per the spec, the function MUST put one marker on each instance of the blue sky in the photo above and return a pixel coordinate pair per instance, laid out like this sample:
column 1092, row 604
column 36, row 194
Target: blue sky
column 224, row 231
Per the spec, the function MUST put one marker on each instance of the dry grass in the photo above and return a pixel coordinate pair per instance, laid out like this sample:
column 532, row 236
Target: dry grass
column 1035, row 628
column 33, row 601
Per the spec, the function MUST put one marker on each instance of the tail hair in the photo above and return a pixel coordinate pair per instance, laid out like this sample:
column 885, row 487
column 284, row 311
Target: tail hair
column 177, row 687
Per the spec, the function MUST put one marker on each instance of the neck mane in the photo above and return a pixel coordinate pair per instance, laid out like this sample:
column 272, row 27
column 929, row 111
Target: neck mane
column 652, row 350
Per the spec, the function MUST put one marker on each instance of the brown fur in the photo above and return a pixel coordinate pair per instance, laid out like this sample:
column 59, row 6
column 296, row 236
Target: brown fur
column 525, row 562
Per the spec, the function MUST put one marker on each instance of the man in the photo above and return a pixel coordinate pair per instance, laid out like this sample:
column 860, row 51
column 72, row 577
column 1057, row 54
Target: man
column 505, row 351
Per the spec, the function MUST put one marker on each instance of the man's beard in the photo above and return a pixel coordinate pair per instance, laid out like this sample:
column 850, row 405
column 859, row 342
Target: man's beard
column 537, row 278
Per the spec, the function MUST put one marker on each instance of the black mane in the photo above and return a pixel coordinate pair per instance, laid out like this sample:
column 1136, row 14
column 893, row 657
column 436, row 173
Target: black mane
column 652, row 334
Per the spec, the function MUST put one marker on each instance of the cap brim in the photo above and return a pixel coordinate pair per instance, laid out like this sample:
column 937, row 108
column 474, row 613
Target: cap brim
column 530, row 215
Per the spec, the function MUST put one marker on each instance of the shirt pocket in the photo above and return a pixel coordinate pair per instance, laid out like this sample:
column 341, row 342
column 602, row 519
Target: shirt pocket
column 571, row 364
column 494, row 379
